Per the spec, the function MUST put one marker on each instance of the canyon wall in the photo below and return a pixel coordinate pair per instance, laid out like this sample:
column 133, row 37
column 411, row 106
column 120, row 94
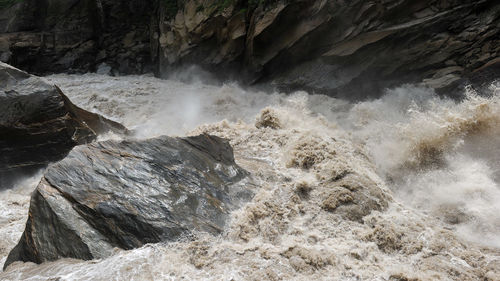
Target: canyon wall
column 341, row 48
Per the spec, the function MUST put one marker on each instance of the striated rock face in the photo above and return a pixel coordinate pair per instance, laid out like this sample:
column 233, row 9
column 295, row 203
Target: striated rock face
column 342, row 48
column 129, row 193
column 38, row 123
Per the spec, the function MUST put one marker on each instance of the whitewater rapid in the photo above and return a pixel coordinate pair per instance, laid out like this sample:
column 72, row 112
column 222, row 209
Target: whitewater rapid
column 431, row 163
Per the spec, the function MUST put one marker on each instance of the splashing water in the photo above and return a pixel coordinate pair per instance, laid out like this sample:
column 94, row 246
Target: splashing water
column 400, row 188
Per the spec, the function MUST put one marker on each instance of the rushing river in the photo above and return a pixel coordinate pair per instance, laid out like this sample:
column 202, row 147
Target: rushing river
column 436, row 160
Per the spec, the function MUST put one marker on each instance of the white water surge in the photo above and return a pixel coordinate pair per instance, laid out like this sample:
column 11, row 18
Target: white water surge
column 434, row 161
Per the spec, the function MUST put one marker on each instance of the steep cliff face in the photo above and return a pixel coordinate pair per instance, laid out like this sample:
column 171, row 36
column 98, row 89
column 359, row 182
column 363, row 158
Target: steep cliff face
column 77, row 35
column 341, row 48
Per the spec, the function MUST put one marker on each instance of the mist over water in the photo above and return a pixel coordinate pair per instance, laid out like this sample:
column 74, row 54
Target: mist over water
column 436, row 160
column 154, row 107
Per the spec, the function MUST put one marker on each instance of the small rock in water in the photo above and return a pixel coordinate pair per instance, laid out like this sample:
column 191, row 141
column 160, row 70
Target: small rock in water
column 104, row 69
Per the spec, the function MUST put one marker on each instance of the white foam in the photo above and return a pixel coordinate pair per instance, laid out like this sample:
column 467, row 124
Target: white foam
column 419, row 151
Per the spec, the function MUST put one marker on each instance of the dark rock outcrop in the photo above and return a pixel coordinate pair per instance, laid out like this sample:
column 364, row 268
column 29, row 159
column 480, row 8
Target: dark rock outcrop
column 129, row 193
column 39, row 125
column 351, row 49
column 53, row 36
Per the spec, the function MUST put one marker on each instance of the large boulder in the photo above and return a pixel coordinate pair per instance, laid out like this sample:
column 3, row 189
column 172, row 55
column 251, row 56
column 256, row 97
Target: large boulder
column 39, row 124
column 128, row 193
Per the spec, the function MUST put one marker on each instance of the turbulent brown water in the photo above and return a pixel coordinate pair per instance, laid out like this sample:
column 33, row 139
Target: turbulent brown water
column 432, row 162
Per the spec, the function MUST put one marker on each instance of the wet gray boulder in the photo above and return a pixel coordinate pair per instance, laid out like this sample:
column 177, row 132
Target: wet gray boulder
column 128, row 193
column 39, row 124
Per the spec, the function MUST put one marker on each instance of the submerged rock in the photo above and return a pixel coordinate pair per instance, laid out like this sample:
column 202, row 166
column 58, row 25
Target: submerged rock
column 129, row 193
column 39, row 124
